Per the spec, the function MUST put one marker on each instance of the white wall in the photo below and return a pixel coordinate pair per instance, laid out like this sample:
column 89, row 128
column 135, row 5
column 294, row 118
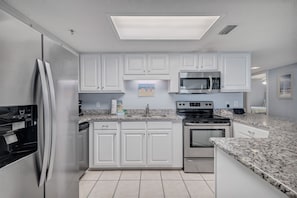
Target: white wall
column 161, row 99
column 258, row 93
column 282, row 107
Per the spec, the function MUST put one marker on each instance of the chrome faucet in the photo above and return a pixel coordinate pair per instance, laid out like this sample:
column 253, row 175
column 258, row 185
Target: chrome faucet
column 147, row 110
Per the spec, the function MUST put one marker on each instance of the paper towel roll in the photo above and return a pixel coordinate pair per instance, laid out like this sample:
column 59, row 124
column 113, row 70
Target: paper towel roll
column 113, row 106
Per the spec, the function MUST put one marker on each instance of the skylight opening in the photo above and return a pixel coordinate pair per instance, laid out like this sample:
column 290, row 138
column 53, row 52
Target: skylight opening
column 162, row 27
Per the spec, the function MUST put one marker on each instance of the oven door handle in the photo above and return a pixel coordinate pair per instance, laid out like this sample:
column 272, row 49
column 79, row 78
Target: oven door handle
column 210, row 84
column 206, row 124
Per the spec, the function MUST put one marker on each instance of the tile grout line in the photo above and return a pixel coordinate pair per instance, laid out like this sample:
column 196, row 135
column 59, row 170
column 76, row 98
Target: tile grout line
column 117, row 184
column 185, row 184
column 207, row 184
column 139, row 184
column 94, row 185
column 162, row 184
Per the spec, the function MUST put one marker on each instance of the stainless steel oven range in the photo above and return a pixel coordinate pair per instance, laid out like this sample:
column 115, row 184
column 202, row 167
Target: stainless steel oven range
column 199, row 125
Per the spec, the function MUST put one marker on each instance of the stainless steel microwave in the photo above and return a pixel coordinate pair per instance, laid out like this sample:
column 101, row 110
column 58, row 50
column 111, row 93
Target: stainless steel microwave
column 199, row 82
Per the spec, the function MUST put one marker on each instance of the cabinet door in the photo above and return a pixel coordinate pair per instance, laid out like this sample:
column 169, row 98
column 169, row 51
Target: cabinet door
column 158, row 64
column 135, row 64
column 133, row 147
column 188, row 61
column 111, row 72
column 159, row 147
column 106, row 148
column 236, row 74
column 241, row 130
column 90, row 72
column 208, row 62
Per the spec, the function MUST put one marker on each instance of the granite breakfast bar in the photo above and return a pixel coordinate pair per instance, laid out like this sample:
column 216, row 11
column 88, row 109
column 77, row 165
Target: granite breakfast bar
column 274, row 159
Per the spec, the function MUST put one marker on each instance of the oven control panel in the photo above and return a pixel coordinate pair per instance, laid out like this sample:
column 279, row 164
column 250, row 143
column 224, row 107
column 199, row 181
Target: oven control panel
column 194, row 105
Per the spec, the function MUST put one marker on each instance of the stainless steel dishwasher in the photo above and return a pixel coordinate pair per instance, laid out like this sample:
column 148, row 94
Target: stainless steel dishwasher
column 83, row 147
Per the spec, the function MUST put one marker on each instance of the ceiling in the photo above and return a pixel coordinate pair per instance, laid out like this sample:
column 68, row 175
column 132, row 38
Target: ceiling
column 266, row 28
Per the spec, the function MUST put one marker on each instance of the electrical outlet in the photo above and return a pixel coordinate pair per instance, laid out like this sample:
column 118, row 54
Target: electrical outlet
column 227, row 104
column 236, row 104
column 97, row 104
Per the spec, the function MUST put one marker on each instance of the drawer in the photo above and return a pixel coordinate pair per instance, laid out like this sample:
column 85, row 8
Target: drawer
column 159, row 125
column 133, row 125
column 241, row 130
column 106, row 125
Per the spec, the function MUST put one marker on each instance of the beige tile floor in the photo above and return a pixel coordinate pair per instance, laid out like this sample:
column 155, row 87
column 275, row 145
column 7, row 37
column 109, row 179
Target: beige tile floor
column 146, row 184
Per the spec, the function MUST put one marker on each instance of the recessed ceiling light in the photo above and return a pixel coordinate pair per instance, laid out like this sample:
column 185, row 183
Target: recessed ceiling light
column 162, row 27
column 255, row 68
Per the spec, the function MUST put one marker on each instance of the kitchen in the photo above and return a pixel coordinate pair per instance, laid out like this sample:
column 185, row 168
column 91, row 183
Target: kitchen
column 171, row 113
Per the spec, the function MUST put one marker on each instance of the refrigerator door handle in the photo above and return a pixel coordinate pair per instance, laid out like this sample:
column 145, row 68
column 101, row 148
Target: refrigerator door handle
column 47, row 121
column 53, row 119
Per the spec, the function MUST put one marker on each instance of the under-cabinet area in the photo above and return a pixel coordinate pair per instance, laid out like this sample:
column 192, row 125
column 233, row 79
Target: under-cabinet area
column 136, row 144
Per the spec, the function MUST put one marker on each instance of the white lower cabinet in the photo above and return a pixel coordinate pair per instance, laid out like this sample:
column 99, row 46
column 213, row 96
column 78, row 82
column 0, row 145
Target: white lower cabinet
column 133, row 148
column 105, row 147
column 136, row 144
column 104, row 144
column 159, row 148
column 245, row 131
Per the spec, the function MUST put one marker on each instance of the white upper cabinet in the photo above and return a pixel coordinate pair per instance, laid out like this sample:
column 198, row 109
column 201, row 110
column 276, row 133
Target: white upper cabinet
column 112, row 68
column 235, row 72
column 101, row 73
column 208, row 62
column 146, row 64
column 135, row 64
column 188, row 61
column 158, row 64
column 90, row 72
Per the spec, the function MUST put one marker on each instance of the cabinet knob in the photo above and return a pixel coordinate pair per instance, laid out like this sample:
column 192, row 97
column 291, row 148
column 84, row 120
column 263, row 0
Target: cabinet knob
column 98, row 87
column 102, row 87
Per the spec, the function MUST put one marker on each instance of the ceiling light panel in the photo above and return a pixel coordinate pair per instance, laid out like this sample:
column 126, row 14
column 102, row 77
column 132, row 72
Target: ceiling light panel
column 162, row 27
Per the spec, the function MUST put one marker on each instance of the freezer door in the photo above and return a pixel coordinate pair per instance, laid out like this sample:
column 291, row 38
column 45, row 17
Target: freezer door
column 20, row 46
column 64, row 68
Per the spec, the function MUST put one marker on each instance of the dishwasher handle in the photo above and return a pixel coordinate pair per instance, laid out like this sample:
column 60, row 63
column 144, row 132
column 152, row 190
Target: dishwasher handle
column 83, row 126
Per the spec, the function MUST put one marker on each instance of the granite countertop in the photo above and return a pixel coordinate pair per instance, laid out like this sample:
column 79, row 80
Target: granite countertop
column 273, row 158
column 132, row 115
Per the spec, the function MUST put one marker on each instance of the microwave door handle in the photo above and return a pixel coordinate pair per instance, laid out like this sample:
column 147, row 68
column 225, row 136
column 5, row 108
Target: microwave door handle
column 46, row 122
column 53, row 123
column 210, row 84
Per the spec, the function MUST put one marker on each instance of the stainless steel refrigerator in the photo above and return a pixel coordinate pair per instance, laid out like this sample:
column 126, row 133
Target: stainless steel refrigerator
column 36, row 70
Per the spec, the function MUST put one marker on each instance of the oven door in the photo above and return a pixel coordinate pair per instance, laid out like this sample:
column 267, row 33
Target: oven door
column 196, row 139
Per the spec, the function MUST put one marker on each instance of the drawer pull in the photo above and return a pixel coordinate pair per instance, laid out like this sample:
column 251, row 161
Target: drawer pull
column 251, row 132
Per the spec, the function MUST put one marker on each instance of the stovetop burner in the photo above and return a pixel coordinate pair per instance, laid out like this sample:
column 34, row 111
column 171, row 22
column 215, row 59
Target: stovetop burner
column 202, row 113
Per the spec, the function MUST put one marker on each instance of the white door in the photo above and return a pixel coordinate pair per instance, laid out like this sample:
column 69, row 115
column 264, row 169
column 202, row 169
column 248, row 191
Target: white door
column 159, row 147
column 135, row 64
column 188, row 61
column 111, row 72
column 158, row 64
column 90, row 72
column 208, row 62
column 235, row 72
column 133, row 148
column 106, row 148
